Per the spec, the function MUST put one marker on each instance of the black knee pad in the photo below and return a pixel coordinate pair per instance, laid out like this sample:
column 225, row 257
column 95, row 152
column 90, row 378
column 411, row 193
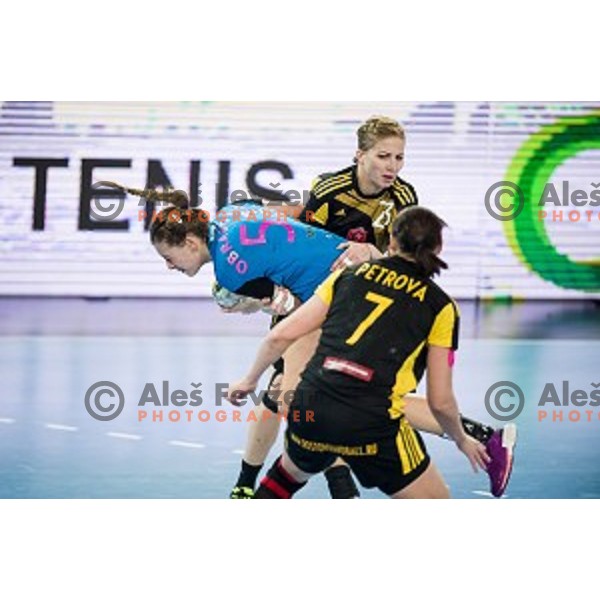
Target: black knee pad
column 278, row 367
column 341, row 483
column 271, row 404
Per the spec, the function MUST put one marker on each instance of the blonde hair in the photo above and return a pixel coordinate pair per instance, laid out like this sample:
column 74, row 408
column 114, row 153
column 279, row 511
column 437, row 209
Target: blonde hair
column 377, row 128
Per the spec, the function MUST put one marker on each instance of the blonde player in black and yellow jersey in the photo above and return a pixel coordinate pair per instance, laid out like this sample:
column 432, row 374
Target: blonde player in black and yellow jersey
column 360, row 202
column 383, row 324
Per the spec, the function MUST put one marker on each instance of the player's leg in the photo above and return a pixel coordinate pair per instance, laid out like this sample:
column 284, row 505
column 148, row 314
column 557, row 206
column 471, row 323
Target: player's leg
column 429, row 485
column 419, row 415
column 282, row 480
column 262, row 434
column 499, row 443
column 339, row 478
column 291, row 471
column 294, row 360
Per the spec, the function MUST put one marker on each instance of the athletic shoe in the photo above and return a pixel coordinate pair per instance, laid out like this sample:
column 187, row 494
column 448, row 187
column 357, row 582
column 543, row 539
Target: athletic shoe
column 241, row 493
column 500, row 449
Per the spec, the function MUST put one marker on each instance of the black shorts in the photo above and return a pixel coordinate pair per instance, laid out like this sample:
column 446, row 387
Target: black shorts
column 389, row 464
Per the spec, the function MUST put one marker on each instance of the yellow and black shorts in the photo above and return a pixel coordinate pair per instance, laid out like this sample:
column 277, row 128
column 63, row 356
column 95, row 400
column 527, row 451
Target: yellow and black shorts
column 389, row 464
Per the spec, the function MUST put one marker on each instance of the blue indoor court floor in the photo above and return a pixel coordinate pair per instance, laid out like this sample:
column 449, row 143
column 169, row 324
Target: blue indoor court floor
column 53, row 350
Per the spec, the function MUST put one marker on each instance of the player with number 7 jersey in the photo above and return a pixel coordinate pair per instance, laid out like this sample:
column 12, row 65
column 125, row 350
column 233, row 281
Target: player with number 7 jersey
column 383, row 316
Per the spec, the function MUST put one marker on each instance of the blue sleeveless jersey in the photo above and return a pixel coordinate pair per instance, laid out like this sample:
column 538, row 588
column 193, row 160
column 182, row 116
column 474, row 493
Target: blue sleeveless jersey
column 248, row 241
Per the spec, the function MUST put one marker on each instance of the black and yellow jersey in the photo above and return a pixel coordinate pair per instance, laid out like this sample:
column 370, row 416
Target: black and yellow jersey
column 336, row 204
column 383, row 315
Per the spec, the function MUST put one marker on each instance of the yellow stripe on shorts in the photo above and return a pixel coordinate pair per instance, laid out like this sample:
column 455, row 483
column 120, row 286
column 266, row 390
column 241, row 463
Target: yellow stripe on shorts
column 418, row 453
column 404, row 460
column 409, row 449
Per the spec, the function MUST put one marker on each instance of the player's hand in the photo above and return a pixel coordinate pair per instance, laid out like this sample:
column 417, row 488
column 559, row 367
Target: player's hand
column 230, row 302
column 282, row 303
column 240, row 390
column 354, row 253
column 247, row 306
column 475, row 451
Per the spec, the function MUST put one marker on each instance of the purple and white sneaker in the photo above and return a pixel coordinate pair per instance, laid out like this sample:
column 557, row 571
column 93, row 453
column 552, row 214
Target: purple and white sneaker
column 500, row 448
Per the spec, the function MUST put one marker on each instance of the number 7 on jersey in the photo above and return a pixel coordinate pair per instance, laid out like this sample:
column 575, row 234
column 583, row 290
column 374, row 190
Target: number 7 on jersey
column 383, row 303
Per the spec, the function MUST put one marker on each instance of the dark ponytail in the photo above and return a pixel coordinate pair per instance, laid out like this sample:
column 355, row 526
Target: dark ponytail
column 418, row 233
column 172, row 224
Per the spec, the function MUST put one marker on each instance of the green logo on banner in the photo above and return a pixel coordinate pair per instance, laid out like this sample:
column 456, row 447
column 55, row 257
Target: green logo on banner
column 530, row 170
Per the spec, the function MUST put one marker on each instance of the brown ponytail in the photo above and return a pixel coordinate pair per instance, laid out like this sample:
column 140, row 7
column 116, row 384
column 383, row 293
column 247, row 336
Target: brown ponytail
column 177, row 198
column 172, row 224
column 418, row 232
